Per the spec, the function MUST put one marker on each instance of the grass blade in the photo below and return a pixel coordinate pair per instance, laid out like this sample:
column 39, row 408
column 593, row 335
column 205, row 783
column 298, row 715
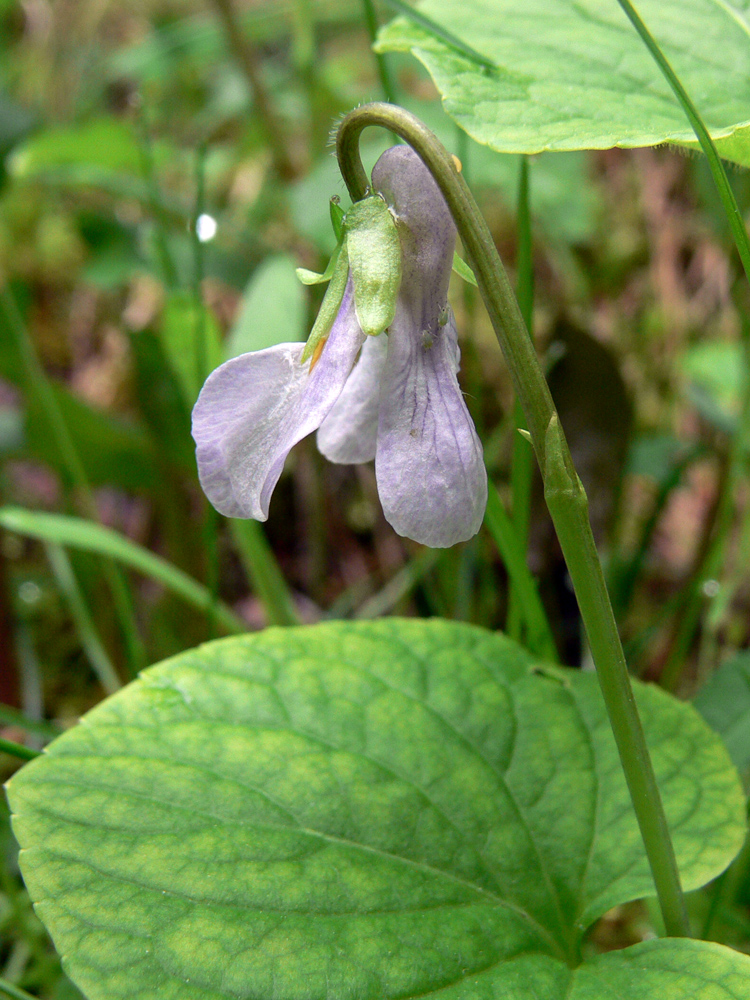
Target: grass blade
column 88, row 536
column 538, row 633
column 93, row 646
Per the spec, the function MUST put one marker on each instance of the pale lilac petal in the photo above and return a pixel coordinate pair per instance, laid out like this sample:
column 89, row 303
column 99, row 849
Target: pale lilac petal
column 426, row 229
column 348, row 433
column 429, row 464
column 255, row 408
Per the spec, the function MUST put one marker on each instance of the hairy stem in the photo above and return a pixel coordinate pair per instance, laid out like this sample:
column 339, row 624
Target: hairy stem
column 566, row 498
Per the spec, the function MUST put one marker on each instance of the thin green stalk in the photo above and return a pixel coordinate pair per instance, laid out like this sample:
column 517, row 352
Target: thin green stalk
column 40, row 385
column 303, row 37
column 17, row 750
column 400, row 584
column 736, row 472
column 201, row 354
column 522, row 461
column 739, row 233
column 92, row 644
column 719, row 174
column 14, row 992
column 711, row 552
column 32, row 691
column 539, row 638
column 89, row 537
column 266, row 578
column 706, row 566
column 39, row 727
column 569, row 506
column 384, row 70
column 156, row 204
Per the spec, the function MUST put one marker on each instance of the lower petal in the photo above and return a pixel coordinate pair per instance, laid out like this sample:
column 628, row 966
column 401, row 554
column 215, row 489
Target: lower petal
column 349, row 432
column 429, row 464
column 255, row 408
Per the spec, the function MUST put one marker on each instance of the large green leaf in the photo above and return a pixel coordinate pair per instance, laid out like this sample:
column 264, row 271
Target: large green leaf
column 724, row 703
column 573, row 74
column 356, row 810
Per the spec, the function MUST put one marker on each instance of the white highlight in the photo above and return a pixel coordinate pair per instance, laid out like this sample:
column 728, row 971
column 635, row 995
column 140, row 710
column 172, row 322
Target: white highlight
column 205, row 227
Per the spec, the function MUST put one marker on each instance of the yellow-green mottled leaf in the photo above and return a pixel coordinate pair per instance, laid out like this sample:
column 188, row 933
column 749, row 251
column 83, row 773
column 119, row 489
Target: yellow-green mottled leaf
column 365, row 810
column 573, row 74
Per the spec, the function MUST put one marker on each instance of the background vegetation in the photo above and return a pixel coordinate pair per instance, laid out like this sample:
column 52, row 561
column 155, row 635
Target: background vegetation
column 165, row 166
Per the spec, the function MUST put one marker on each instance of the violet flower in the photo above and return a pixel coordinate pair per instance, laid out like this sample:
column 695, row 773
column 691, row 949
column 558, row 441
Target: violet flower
column 393, row 397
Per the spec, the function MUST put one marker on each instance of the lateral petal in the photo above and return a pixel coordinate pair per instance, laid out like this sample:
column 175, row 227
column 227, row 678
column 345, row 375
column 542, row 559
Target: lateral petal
column 348, row 434
column 255, row 408
column 429, row 464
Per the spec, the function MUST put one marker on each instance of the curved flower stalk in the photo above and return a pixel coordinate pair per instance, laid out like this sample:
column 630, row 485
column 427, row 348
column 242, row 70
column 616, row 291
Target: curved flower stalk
column 392, row 396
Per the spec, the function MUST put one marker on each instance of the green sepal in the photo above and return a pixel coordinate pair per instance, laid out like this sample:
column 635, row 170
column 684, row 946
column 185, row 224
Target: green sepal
column 330, row 305
column 462, row 269
column 337, row 217
column 374, row 250
column 312, row 277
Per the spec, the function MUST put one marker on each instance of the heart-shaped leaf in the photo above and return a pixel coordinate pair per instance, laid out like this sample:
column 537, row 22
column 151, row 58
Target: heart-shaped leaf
column 573, row 74
column 354, row 810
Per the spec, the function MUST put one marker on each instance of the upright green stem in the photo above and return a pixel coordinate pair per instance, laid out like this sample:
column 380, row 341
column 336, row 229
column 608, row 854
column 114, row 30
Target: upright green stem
column 566, row 497
column 712, row 561
column 17, row 750
column 522, row 462
column 384, row 70
column 40, row 727
column 539, row 638
column 92, row 644
column 14, row 992
column 203, row 370
column 156, row 204
column 719, row 174
column 265, row 576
